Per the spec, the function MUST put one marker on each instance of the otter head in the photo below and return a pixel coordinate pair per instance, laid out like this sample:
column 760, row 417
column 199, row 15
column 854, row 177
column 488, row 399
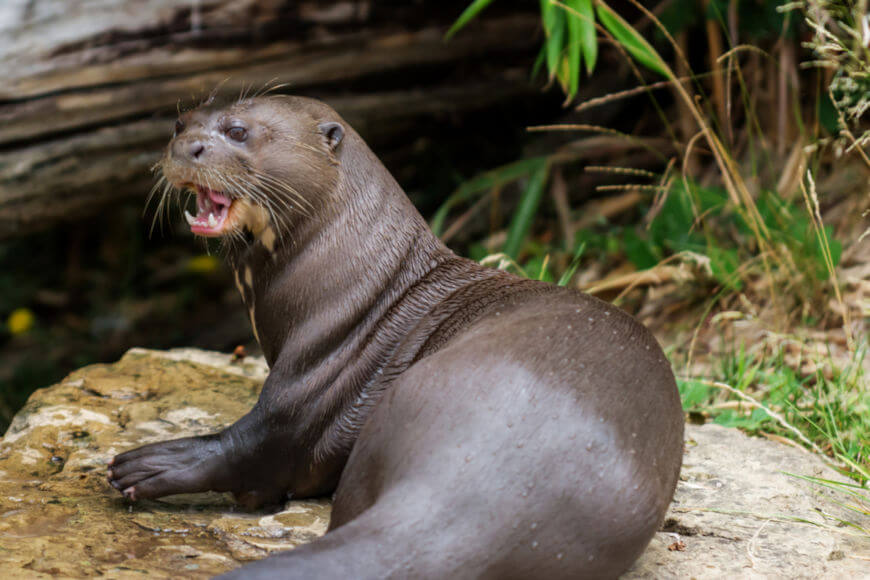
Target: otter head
column 256, row 166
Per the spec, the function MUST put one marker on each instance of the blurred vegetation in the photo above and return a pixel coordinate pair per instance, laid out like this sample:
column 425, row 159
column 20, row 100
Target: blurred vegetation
column 781, row 105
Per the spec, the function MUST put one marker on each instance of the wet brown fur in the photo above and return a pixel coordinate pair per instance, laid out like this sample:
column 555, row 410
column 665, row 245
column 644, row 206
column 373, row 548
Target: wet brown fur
column 471, row 424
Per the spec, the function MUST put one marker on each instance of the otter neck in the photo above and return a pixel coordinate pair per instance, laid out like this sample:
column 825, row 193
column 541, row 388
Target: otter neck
column 319, row 292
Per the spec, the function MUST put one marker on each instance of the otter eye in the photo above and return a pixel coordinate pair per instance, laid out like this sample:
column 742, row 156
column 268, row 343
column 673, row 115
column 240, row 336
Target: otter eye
column 179, row 127
column 237, row 134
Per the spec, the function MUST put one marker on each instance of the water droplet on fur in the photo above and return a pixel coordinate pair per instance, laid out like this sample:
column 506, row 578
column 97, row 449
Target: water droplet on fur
column 606, row 313
column 560, row 555
column 468, row 459
column 588, row 447
column 533, row 525
column 535, row 545
column 591, row 557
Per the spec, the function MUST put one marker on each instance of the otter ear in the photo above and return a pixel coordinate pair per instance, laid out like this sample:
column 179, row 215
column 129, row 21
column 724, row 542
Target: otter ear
column 333, row 132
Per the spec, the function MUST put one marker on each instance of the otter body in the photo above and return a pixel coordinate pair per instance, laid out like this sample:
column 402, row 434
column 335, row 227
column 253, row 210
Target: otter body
column 471, row 423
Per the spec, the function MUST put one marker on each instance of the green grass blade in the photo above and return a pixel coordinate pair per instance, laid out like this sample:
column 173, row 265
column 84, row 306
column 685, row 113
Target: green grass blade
column 572, row 267
column 481, row 183
column 525, row 212
column 631, row 40
column 588, row 41
column 475, row 8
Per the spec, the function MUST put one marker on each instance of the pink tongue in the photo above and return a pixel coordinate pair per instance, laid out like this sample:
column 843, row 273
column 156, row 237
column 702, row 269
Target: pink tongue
column 218, row 198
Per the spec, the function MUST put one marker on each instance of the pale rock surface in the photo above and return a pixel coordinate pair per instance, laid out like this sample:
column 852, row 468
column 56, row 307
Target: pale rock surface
column 737, row 514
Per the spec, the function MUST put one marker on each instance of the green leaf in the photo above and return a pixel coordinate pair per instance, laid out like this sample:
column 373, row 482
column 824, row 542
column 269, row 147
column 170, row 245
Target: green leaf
column 725, row 264
column 524, row 215
column 693, row 393
column 574, row 49
column 640, row 252
column 631, row 40
column 588, row 41
column 475, row 8
column 555, row 41
column 539, row 62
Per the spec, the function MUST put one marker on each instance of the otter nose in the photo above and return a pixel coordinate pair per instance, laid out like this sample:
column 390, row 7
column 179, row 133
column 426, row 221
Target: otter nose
column 195, row 149
column 187, row 149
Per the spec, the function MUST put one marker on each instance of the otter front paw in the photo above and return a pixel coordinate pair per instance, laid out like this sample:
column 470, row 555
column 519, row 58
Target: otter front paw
column 188, row 465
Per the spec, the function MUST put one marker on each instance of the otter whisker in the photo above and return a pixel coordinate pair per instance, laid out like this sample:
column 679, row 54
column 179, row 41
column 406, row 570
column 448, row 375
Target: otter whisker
column 161, row 206
column 305, row 145
column 278, row 195
column 270, row 89
column 161, row 181
column 265, row 201
column 281, row 186
column 260, row 192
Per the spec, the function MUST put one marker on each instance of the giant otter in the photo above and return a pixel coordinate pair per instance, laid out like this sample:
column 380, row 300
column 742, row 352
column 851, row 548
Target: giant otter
column 471, row 423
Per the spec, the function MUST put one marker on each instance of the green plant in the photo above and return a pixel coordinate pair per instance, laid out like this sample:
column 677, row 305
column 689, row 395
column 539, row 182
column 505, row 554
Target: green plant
column 827, row 410
column 841, row 45
column 570, row 29
column 697, row 219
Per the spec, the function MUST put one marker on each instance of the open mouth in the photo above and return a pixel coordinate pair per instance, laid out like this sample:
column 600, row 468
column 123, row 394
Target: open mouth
column 212, row 210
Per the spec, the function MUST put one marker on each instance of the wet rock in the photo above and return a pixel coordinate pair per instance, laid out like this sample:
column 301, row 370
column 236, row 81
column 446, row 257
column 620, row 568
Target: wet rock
column 58, row 516
column 736, row 514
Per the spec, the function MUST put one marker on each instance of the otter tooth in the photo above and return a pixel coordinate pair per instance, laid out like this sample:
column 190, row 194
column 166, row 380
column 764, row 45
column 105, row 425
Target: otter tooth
column 211, row 221
column 190, row 219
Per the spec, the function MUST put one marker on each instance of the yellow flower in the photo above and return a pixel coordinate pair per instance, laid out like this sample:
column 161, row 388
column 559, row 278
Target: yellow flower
column 202, row 264
column 20, row 321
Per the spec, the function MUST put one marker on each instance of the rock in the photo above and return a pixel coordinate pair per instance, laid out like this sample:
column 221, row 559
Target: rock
column 736, row 513
column 741, row 512
column 59, row 517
